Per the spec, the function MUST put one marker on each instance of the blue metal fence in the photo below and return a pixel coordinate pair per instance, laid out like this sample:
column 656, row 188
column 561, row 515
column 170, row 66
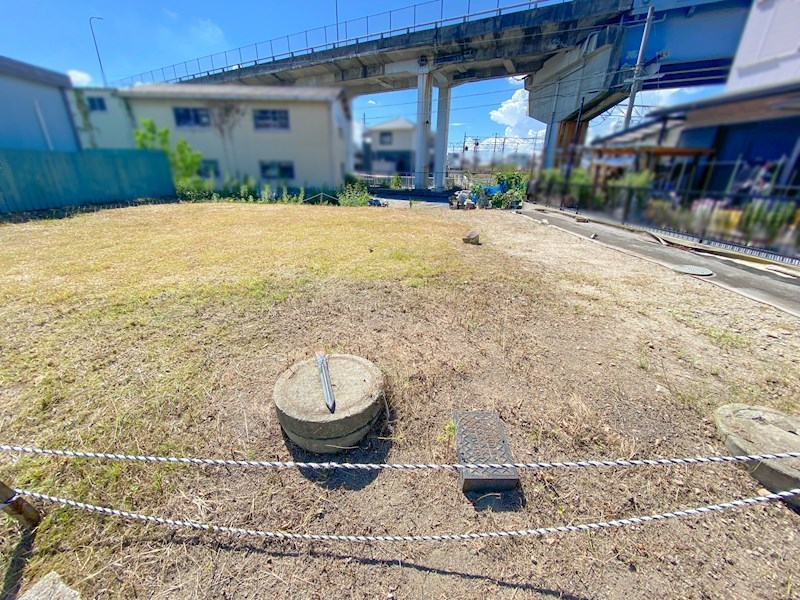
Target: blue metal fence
column 35, row 180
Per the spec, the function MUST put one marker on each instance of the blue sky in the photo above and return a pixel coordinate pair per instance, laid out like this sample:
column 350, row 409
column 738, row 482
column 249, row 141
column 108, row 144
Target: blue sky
column 140, row 35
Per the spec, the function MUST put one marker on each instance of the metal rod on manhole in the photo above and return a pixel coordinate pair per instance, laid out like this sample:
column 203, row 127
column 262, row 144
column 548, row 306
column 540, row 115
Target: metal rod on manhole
column 19, row 509
column 325, row 378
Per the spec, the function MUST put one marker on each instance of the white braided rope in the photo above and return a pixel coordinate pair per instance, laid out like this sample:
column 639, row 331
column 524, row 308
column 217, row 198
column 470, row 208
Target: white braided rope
column 446, row 537
column 400, row 466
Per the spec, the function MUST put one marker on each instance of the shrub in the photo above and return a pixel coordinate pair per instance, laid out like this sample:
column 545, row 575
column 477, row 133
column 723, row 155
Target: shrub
column 195, row 189
column 396, row 182
column 183, row 160
column 511, row 180
column 353, row 194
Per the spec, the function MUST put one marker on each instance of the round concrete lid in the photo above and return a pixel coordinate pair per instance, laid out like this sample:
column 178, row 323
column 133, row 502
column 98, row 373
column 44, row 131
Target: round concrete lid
column 356, row 383
column 693, row 270
column 749, row 429
column 357, row 386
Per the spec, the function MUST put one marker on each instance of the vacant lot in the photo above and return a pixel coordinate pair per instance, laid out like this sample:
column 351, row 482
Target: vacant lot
column 162, row 329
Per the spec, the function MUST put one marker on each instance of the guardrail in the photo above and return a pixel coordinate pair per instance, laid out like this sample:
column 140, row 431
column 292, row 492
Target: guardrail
column 405, row 181
column 384, row 24
column 763, row 226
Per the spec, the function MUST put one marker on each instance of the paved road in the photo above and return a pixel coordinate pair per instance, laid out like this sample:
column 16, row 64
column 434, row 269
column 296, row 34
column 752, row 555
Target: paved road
column 780, row 291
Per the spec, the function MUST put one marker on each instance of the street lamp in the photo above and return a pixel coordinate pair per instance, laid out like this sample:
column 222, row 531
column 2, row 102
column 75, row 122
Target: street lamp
column 102, row 72
column 336, row 3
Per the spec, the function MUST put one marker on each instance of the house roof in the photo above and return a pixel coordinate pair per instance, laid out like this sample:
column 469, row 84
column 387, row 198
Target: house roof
column 728, row 98
column 232, row 92
column 21, row 70
column 393, row 125
column 638, row 133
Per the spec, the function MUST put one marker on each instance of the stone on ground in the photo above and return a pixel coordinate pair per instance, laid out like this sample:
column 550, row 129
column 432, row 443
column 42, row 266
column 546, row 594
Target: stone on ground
column 749, row 429
column 472, row 238
column 51, row 587
column 357, row 387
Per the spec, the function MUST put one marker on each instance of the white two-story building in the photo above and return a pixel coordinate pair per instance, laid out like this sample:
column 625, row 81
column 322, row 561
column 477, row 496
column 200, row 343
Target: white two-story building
column 292, row 136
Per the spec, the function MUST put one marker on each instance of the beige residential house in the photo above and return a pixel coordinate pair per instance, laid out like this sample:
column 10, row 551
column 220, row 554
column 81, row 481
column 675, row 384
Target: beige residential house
column 294, row 136
column 389, row 148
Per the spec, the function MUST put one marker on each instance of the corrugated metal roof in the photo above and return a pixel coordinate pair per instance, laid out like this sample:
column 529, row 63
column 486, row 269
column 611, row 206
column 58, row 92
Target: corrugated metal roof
column 21, row 70
column 232, row 92
column 729, row 98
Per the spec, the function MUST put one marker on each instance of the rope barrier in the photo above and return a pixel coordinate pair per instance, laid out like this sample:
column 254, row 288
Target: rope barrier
column 400, row 466
column 539, row 532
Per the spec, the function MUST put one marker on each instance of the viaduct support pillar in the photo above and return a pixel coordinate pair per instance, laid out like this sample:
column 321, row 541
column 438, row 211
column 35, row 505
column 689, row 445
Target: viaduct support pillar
column 423, row 128
column 442, row 128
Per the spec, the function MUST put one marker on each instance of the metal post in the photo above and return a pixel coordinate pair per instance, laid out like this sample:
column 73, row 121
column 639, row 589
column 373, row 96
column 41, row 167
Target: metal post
column 19, row 509
column 337, row 19
column 102, row 72
column 637, row 73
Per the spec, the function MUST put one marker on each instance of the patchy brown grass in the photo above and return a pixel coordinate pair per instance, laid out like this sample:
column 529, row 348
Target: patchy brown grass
column 161, row 329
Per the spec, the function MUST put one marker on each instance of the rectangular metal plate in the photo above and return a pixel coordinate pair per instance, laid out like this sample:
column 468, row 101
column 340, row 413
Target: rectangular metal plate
column 480, row 438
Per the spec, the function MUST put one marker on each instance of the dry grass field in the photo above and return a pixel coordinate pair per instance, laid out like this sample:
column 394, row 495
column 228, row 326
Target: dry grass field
column 162, row 329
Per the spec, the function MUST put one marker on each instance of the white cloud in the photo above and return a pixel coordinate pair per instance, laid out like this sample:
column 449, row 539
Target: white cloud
column 205, row 30
column 520, row 128
column 458, row 124
column 516, row 81
column 371, row 102
column 170, row 13
column 79, row 78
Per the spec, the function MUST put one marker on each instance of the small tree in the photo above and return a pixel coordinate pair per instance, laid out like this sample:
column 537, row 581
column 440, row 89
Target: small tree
column 183, row 159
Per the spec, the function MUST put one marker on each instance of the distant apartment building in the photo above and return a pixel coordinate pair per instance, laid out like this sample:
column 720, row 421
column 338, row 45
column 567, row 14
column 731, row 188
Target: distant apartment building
column 292, row 136
column 35, row 112
column 389, row 148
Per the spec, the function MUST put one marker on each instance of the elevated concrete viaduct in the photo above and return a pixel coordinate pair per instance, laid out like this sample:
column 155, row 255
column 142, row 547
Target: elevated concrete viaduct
column 583, row 50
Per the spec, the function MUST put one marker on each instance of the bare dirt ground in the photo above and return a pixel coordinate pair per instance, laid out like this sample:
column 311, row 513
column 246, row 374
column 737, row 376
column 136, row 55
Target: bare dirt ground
column 169, row 339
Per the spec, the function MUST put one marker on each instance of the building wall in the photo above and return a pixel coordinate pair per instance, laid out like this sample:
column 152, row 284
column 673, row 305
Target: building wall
column 341, row 136
column 311, row 143
column 402, row 139
column 31, row 113
column 769, row 52
column 111, row 128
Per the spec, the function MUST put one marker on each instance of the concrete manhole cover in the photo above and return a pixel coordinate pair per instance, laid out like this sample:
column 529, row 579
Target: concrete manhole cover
column 693, row 270
column 760, row 430
column 305, row 418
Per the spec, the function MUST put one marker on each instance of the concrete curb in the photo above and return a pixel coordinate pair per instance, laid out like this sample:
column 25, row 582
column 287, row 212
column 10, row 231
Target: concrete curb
column 675, row 241
column 710, row 280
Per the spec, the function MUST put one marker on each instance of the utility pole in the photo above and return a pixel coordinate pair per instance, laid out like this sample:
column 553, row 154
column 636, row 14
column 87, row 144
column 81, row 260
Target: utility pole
column 102, row 72
column 637, row 73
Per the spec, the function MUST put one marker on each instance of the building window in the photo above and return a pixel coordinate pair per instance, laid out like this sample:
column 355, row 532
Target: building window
column 208, row 168
column 271, row 119
column 386, row 138
column 281, row 170
column 96, row 103
column 191, row 117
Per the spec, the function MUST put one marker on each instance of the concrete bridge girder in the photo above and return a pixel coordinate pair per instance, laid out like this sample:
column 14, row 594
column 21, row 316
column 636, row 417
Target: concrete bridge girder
column 569, row 51
column 585, row 73
column 510, row 44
